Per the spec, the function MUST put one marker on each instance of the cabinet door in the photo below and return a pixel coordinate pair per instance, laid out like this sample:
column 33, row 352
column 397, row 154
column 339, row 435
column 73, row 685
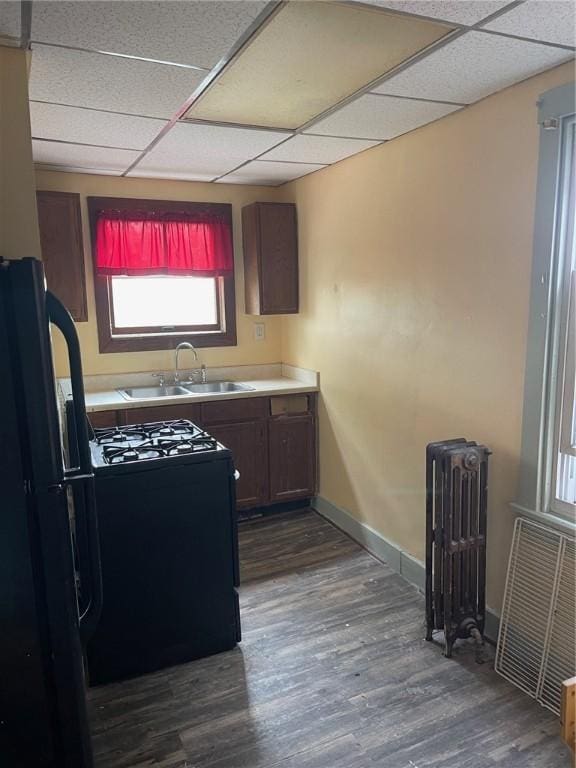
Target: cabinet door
column 247, row 441
column 62, row 250
column 279, row 258
column 292, row 446
column 270, row 241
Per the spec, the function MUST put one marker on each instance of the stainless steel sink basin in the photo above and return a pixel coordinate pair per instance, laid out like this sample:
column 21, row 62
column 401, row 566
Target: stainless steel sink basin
column 141, row 393
column 218, row 386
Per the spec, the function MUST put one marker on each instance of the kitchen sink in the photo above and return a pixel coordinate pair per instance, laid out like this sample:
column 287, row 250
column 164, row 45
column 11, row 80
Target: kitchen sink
column 177, row 390
column 218, row 386
column 141, row 393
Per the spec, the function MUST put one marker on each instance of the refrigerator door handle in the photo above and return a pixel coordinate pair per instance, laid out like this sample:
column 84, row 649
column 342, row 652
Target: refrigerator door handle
column 81, row 478
column 89, row 618
column 60, row 317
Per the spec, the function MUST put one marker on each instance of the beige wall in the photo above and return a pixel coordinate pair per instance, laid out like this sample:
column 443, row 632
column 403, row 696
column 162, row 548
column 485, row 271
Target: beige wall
column 247, row 351
column 18, row 218
column 415, row 265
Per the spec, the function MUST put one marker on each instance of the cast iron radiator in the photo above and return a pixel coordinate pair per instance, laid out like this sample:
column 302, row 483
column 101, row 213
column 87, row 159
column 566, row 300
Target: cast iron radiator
column 456, row 495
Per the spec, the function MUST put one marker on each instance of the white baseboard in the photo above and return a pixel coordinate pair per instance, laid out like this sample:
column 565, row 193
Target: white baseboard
column 400, row 561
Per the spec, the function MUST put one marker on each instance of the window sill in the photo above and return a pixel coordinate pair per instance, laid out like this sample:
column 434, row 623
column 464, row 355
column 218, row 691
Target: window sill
column 545, row 518
column 108, row 343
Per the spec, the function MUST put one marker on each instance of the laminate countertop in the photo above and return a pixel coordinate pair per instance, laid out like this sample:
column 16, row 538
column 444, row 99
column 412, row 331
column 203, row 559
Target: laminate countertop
column 102, row 391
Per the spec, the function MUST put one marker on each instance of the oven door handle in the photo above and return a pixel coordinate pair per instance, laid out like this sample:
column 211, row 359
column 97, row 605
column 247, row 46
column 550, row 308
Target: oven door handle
column 81, row 479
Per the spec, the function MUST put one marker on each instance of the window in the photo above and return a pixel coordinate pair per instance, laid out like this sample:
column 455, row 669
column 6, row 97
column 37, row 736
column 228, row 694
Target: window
column 548, row 466
column 564, row 442
column 164, row 304
column 163, row 273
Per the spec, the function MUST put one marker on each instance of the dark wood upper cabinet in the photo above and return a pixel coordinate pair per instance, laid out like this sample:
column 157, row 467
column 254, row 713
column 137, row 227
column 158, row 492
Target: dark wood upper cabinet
column 270, row 242
column 60, row 224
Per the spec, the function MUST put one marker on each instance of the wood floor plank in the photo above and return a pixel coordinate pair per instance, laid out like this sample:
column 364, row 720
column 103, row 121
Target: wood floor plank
column 333, row 672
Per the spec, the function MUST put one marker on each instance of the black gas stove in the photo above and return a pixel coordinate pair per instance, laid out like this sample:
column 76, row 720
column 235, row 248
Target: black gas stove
column 165, row 494
column 155, row 441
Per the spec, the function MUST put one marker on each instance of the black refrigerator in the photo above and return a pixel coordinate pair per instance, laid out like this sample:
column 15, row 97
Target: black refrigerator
column 43, row 717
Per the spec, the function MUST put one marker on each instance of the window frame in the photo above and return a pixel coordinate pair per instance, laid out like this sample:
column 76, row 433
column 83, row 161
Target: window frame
column 140, row 340
column 536, row 487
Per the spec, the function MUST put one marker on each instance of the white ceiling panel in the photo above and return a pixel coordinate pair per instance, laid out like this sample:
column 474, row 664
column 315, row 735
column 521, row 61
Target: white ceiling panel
column 309, row 57
column 473, row 66
column 190, row 150
column 73, row 156
column 177, row 174
column 10, row 19
column 317, row 149
column 458, row 11
column 266, row 173
column 87, row 126
column 380, row 117
column 199, row 32
column 553, row 21
column 91, row 80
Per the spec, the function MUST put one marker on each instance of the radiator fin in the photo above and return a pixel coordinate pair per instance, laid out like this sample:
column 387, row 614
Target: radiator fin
column 537, row 641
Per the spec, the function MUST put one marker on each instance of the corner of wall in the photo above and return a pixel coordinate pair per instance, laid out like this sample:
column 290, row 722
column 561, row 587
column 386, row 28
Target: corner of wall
column 19, row 235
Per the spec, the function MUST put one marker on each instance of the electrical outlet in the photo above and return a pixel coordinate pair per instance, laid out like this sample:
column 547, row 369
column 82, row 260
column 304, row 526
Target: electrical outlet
column 259, row 331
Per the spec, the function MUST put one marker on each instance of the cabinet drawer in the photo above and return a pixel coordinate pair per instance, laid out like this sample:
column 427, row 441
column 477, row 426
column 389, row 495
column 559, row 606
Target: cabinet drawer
column 190, row 411
column 245, row 409
column 103, row 419
column 287, row 404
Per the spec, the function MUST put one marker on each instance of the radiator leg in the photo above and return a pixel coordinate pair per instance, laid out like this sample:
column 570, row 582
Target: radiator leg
column 479, row 641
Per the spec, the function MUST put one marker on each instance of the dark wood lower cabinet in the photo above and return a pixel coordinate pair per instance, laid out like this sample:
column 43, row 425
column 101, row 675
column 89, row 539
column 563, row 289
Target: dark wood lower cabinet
column 159, row 413
column 292, row 452
column 247, row 441
column 274, row 454
column 100, row 419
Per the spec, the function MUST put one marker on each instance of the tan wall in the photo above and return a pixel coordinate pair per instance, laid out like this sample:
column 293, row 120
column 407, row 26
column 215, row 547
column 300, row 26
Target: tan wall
column 247, row 351
column 415, row 265
column 18, row 218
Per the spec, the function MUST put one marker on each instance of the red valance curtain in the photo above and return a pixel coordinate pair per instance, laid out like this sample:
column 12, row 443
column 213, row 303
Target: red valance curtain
column 148, row 243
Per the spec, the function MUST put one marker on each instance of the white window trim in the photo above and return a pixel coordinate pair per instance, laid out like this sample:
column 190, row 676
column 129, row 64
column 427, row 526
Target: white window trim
column 535, row 492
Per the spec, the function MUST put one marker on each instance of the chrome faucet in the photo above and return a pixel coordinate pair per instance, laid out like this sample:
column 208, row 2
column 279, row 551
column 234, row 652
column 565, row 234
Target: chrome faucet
column 187, row 345
column 182, row 345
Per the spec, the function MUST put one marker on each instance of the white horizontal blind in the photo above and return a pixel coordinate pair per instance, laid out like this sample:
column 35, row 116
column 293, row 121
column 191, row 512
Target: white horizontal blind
column 537, row 641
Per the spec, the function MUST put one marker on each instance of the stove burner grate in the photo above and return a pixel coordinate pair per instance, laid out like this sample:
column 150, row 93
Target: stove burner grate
column 153, row 440
column 179, row 427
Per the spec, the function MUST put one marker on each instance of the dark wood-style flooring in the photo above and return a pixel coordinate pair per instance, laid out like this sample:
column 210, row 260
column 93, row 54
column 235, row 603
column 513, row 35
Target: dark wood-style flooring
column 333, row 672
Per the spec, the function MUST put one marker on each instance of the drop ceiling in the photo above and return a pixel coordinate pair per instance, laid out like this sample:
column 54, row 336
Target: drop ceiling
column 251, row 92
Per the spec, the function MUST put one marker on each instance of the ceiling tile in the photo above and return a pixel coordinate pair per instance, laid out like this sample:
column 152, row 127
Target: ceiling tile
column 457, row 11
column 192, row 151
column 73, row 156
column 551, row 21
column 380, row 117
column 10, row 19
column 309, row 57
column 178, row 174
column 87, row 126
column 199, row 32
column 108, row 82
column 266, row 173
column 317, row 149
column 473, row 66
